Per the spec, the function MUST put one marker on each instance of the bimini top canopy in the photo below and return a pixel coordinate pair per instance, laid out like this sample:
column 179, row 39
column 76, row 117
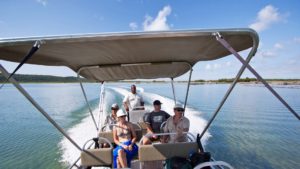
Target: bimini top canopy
column 134, row 55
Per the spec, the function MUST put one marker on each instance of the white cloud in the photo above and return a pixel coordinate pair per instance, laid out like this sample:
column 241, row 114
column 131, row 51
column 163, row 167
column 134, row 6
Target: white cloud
column 297, row 40
column 228, row 63
column 214, row 66
column 160, row 22
column 43, row 2
column 266, row 53
column 278, row 46
column 266, row 17
column 133, row 26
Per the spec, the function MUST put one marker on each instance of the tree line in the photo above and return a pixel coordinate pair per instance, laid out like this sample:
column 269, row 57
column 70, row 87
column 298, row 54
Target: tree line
column 43, row 78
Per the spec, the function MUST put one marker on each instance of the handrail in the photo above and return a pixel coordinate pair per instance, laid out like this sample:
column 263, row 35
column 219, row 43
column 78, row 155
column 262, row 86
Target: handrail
column 83, row 147
column 162, row 125
column 107, row 125
column 213, row 163
column 190, row 135
column 75, row 162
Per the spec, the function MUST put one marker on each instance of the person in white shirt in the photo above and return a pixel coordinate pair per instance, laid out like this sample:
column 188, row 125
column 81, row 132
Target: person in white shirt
column 133, row 101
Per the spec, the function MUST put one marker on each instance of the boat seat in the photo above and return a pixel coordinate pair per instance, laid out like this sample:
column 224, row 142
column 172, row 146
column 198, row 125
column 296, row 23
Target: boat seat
column 104, row 154
column 136, row 116
column 143, row 125
column 156, row 152
column 108, row 135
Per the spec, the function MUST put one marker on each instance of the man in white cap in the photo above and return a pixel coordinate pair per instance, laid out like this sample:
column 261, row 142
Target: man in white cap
column 177, row 124
column 112, row 118
column 133, row 101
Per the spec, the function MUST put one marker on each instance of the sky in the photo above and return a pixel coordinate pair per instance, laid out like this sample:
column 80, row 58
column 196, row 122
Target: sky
column 277, row 23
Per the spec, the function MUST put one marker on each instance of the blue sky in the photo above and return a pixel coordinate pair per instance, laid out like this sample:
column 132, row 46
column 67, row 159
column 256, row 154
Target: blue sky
column 277, row 23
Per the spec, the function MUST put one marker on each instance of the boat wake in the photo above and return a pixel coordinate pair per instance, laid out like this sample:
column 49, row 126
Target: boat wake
column 86, row 130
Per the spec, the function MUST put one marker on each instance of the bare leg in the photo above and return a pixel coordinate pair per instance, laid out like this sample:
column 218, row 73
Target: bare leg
column 122, row 158
column 118, row 163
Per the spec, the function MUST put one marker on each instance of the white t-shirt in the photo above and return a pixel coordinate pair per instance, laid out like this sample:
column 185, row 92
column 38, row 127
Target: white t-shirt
column 133, row 100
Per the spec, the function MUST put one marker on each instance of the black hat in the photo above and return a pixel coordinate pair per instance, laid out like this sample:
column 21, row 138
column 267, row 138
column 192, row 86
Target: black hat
column 157, row 102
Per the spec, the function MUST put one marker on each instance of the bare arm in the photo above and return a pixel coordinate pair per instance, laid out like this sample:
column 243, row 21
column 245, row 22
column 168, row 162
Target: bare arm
column 125, row 103
column 116, row 138
column 165, row 137
column 149, row 128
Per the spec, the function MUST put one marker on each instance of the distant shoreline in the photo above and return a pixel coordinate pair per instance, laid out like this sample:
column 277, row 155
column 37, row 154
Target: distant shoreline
column 37, row 79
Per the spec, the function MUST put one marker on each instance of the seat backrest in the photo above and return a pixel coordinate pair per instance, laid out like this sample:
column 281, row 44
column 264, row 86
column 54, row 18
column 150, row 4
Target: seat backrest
column 155, row 152
column 108, row 135
column 104, row 154
column 138, row 131
column 136, row 116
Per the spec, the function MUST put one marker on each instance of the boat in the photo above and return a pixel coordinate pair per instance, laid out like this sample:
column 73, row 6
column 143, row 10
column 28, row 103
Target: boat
column 134, row 55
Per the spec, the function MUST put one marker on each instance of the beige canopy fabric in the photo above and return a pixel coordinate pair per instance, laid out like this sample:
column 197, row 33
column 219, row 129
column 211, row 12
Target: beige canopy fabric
column 133, row 55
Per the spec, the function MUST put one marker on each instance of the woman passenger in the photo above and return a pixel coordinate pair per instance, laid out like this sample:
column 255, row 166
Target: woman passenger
column 112, row 118
column 124, row 137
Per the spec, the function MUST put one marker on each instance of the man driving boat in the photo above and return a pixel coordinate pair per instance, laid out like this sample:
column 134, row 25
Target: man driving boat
column 133, row 101
column 177, row 124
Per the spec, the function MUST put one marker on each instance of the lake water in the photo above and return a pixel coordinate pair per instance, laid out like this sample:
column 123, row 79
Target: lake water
column 253, row 129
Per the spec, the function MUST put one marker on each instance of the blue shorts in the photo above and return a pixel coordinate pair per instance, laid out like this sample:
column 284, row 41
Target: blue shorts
column 129, row 154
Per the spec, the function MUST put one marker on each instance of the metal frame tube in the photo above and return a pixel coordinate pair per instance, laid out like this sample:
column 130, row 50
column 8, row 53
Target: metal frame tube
column 173, row 90
column 44, row 113
column 242, row 69
column 86, row 100
column 229, row 48
column 188, row 86
column 101, row 101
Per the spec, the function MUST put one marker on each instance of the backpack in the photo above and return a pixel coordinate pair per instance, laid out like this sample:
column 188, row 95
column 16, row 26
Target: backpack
column 198, row 158
column 178, row 163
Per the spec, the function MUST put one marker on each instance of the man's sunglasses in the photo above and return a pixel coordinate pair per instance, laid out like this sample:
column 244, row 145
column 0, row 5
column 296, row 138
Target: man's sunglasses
column 115, row 108
column 179, row 109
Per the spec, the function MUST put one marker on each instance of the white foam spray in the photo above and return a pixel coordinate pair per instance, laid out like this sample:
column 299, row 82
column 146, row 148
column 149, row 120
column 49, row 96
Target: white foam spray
column 197, row 123
column 82, row 132
column 86, row 130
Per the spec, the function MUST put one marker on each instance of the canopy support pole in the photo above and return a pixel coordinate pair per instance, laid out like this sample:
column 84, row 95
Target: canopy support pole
column 86, row 100
column 242, row 69
column 101, row 103
column 230, row 49
column 173, row 90
column 32, row 51
column 44, row 113
column 188, row 86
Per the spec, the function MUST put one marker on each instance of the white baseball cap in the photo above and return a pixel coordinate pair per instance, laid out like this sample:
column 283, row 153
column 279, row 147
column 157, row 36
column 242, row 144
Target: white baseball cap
column 121, row 113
